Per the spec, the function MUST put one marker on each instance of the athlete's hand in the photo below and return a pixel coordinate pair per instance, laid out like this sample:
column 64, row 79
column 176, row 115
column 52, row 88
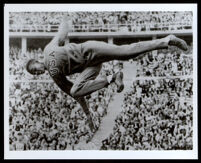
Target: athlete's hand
column 68, row 17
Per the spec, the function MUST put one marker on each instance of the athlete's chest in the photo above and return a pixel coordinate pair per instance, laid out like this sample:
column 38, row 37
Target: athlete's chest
column 52, row 63
column 62, row 60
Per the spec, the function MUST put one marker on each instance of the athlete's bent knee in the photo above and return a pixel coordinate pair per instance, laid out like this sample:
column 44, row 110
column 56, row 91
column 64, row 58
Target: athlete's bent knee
column 74, row 92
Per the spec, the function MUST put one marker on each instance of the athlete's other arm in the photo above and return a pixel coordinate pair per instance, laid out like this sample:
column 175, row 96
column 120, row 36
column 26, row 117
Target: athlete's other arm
column 64, row 28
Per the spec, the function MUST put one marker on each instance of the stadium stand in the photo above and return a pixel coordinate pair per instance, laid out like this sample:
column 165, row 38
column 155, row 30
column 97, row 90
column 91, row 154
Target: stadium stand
column 101, row 21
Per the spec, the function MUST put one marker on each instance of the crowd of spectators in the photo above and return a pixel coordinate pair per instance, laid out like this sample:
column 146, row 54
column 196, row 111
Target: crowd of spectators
column 157, row 115
column 165, row 62
column 42, row 117
column 101, row 21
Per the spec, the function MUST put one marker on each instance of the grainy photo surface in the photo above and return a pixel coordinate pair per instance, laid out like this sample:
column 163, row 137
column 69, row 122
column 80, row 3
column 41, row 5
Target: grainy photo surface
column 101, row 80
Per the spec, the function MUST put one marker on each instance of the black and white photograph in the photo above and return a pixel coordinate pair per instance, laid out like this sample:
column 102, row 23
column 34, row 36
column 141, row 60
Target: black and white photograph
column 100, row 81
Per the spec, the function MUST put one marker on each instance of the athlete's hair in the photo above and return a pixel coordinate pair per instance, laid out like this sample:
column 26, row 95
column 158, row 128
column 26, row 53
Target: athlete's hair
column 31, row 61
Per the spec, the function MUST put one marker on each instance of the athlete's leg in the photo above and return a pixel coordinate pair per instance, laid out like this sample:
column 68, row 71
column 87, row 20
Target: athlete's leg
column 99, row 52
column 87, row 83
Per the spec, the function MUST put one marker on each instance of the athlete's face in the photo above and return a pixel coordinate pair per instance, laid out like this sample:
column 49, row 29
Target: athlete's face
column 37, row 68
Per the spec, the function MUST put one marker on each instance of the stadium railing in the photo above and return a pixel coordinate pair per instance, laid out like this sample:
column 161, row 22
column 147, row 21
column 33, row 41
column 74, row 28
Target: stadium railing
column 104, row 28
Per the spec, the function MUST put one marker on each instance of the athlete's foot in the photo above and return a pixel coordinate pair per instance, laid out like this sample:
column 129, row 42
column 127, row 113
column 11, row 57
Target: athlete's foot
column 175, row 41
column 92, row 127
column 118, row 79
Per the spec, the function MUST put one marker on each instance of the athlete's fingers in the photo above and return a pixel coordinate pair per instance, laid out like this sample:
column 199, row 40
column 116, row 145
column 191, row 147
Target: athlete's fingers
column 67, row 16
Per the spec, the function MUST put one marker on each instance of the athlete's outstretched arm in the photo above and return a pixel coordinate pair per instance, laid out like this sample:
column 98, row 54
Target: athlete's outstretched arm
column 64, row 28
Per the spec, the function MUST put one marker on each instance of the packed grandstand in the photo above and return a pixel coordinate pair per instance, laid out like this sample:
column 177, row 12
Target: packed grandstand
column 102, row 21
column 156, row 112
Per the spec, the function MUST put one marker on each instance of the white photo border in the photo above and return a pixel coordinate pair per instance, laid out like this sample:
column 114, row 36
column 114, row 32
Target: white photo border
column 93, row 154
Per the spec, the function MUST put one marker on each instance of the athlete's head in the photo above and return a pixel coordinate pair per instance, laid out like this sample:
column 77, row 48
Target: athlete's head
column 34, row 67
